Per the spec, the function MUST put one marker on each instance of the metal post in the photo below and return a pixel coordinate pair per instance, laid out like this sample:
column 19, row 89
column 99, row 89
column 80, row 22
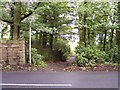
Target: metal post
column 30, row 43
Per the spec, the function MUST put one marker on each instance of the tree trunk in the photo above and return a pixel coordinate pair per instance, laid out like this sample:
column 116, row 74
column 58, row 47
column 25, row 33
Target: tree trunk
column 104, row 45
column 51, row 41
column 84, row 28
column 40, row 38
column 80, row 31
column 44, row 39
column 118, row 32
column 84, row 23
column 101, row 40
column 88, row 37
column 118, row 43
column 111, row 38
column 36, row 35
column 11, row 25
column 11, row 31
column 16, row 20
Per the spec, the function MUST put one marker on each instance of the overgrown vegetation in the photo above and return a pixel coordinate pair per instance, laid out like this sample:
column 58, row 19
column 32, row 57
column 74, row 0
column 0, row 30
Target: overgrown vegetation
column 63, row 48
column 98, row 32
column 92, row 55
column 98, row 26
column 89, row 56
column 37, row 59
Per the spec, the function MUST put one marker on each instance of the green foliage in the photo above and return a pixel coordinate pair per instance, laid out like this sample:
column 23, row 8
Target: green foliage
column 37, row 59
column 99, row 19
column 89, row 55
column 52, row 21
column 100, row 27
column 112, row 55
column 62, row 47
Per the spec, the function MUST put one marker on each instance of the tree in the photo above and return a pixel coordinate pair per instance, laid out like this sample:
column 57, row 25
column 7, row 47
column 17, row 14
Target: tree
column 99, row 22
column 52, row 16
column 118, row 32
column 13, row 13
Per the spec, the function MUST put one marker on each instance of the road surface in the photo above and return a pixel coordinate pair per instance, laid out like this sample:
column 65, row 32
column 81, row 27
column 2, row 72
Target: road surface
column 59, row 79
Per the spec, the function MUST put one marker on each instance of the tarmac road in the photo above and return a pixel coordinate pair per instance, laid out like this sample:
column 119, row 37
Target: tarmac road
column 59, row 79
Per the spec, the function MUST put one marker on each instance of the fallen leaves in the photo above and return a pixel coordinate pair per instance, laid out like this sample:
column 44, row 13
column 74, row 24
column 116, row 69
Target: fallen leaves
column 58, row 67
column 71, row 68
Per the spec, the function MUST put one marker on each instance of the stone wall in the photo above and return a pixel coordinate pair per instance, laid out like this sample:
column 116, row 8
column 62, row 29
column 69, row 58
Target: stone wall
column 12, row 52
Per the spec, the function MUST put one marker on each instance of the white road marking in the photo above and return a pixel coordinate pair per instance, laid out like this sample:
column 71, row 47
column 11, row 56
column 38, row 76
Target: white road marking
column 37, row 85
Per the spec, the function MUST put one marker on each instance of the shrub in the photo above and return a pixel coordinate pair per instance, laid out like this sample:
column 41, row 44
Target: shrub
column 37, row 59
column 62, row 48
column 112, row 55
column 89, row 56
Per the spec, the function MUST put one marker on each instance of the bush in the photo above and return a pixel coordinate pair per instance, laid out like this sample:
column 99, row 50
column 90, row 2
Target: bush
column 37, row 59
column 112, row 55
column 89, row 56
column 62, row 48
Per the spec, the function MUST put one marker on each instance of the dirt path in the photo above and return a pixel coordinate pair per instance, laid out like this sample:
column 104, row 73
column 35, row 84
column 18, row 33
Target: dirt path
column 70, row 66
column 59, row 66
column 71, row 60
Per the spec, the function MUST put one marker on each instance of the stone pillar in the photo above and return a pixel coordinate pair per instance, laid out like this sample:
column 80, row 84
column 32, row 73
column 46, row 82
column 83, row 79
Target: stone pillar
column 22, row 52
column 13, row 52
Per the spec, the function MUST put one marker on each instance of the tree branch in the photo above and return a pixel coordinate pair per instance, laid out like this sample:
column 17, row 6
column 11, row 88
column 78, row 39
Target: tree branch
column 27, row 15
column 7, row 21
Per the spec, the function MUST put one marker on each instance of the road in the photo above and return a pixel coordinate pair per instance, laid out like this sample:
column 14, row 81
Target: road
column 59, row 79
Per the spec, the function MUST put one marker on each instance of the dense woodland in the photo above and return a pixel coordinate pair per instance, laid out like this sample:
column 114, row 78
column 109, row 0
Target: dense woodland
column 98, row 25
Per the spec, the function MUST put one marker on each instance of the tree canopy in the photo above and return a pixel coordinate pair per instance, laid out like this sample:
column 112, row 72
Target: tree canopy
column 97, row 24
